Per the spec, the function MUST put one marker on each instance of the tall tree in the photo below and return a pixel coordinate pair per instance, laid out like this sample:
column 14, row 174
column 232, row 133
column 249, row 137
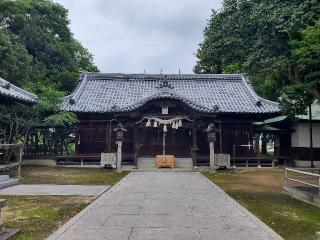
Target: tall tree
column 39, row 53
column 257, row 37
column 40, row 28
column 306, row 58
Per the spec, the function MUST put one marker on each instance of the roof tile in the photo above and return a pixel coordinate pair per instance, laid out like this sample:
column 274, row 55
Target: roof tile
column 11, row 91
column 227, row 93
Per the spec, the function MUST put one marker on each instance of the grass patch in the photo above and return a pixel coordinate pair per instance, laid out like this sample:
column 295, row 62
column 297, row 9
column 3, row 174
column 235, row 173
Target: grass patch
column 64, row 175
column 261, row 192
column 38, row 216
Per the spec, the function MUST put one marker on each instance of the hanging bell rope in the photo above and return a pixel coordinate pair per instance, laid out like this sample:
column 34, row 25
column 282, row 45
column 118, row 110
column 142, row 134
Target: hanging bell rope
column 174, row 122
column 148, row 124
column 155, row 124
column 165, row 129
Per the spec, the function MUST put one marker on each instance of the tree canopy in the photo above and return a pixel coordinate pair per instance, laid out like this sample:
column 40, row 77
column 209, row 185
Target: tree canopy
column 276, row 43
column 38, row 46
column 39, row 53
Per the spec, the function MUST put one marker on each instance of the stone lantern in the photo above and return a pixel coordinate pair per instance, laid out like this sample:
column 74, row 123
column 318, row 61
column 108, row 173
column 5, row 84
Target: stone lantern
column 211, row 137
column 120, row 130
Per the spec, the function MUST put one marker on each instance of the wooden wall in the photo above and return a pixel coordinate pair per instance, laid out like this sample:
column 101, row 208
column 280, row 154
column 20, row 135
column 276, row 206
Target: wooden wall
column 95, row 133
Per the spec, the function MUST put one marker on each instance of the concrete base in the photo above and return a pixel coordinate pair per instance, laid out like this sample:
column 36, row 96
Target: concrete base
column 306, row 164
column 303, row 196
column 40, row 162
column 56, row 190
column 8, row 233
column 79, row 166
column 317, row 235
column 183, row 163
column 147, row 163
column 4, row 178
column 8, row 183
column 150, row 163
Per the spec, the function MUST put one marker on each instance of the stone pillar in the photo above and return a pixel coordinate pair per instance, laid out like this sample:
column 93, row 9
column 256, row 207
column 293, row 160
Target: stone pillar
column 2, row 205
column 119, row 155
column 120, row 130
column 211, row 132
column 211, row 146
column 20, row 161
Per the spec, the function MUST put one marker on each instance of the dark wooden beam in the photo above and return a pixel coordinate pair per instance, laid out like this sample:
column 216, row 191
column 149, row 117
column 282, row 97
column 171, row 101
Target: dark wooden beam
column 194, row 143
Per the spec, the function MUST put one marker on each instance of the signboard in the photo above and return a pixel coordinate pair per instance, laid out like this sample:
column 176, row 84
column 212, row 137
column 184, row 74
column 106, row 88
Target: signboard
column 165, row 110
column 109, row 159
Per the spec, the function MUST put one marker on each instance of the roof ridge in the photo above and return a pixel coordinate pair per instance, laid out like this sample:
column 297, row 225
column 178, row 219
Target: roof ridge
column 143, row 76
column 79, row 87
column 250, row 89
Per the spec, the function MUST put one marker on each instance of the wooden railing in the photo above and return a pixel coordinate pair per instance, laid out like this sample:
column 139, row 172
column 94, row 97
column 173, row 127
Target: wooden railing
column 304, row 176
column 253, row 161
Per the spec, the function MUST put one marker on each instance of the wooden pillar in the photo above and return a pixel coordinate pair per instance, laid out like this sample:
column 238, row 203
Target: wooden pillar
column 110, row 137
column 77, row 139
column 135, row 145
column 91, row 130
column 194, row 144
column 264, row 144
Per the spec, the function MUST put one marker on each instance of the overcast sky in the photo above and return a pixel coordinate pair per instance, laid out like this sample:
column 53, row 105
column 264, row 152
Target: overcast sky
column 132, row 35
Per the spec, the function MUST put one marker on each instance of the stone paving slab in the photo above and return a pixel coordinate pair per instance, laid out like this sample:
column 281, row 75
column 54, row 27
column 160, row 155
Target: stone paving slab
column 165, row 205
column 56, row 190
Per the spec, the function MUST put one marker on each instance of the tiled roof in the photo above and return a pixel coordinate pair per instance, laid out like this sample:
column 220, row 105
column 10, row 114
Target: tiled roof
column 315, row 114
column 15, row 93
column 101, row 93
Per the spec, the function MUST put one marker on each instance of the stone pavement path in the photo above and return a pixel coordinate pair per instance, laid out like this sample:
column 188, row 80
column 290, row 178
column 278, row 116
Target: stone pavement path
column 52, row 189
column 163, row 205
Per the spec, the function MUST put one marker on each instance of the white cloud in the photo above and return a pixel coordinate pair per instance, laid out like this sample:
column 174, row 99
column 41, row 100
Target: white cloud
column 132, row 35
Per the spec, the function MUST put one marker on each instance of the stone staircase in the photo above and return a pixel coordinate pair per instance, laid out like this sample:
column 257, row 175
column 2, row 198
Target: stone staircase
column 183, row 163
column 150, row 163
column 146, row 163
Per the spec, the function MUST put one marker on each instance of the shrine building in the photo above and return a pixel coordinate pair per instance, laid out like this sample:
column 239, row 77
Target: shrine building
column 166, row 114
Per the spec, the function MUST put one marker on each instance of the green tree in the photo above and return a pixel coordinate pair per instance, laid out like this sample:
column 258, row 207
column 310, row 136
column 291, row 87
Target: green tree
column 56, row 132
column 256, row 37
column 306, row 59
column 15, row 61
column 40, row 29
column 39, row 53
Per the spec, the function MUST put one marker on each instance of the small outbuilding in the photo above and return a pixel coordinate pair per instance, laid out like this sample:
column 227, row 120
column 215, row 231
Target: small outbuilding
column 292, row 137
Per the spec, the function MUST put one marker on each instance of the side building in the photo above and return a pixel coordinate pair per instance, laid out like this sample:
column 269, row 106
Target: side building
column 292, row 137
